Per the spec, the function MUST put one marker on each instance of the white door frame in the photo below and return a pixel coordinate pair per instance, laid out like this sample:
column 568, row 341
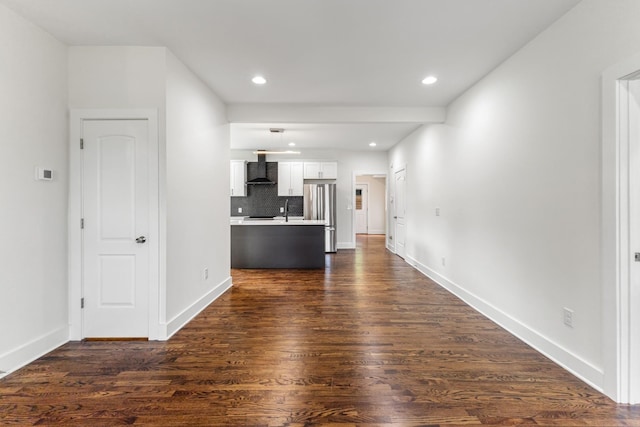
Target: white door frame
column 77, row 116
column 620, row 336
column 355, row 174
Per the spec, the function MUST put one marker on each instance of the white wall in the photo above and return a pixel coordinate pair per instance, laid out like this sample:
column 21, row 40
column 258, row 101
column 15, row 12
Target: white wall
column 117, row 77
column 197, row 200
column 33, row 214
column 377, row 204
column 194, row 165
column 350, row 163
column 515, row 172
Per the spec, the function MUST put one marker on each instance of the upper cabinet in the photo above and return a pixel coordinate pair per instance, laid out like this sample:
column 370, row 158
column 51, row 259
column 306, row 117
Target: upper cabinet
column 320, row 170
column 238, row 178
column 290, row 179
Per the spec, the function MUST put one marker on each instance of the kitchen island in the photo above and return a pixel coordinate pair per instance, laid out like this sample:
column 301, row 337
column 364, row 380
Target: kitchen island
column 277, row 243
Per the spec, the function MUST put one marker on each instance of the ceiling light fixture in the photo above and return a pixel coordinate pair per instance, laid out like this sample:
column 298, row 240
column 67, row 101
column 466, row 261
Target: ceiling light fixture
column 429, row 80
column 259, row 80
column 372, row 144
column 273, row 132
column 275, row 152
column 292, row 144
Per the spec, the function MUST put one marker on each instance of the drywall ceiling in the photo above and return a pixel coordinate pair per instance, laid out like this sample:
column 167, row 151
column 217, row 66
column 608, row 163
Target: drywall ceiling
column 353, row 136
column 348, row 53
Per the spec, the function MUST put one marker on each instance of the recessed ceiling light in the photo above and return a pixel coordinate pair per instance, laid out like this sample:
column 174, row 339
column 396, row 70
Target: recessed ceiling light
column 429, row 80
column 372, row 144
column 259, row 80
column 292, row 144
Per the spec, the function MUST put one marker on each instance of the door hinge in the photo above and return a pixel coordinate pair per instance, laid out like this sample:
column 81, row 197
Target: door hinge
column 81, row 144
column 82, row 223
column 81, row 302
column 637, row 256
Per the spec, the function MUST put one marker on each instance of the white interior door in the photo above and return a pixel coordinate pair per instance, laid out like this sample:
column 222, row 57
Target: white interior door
column 632, row 331
column 399, row 214
column 362, row 209
column 115, row 212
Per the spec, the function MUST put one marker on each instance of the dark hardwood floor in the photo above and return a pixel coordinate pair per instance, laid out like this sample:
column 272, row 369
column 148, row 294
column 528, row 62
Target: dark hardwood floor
column 367, row 341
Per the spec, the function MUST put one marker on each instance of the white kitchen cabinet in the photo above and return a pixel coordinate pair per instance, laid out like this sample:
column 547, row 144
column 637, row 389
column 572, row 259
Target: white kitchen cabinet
column 290, row 178
column 320, row 170
column 238, row 178
column 329, row 170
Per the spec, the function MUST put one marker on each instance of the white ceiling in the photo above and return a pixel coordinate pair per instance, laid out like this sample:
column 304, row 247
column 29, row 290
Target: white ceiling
column 347, row 53
column 252, row 136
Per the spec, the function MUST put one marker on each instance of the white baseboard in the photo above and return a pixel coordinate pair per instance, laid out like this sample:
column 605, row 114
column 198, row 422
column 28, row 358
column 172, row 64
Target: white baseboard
column 26, row 353
column 573, row 363
column 179, row 321
column 346, row 245
column 375, row 231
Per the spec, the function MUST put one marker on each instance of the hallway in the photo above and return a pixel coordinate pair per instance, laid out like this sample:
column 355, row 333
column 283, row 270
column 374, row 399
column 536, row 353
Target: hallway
column 367, row 341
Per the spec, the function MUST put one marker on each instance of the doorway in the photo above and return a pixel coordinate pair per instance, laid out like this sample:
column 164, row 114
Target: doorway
column 373, row 201
column 633, row 105
column 629, row 120
column 620, row 230
column 113, row 225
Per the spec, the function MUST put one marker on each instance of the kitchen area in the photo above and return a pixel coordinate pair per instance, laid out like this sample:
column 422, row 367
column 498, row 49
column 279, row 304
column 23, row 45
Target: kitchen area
column 283, row 214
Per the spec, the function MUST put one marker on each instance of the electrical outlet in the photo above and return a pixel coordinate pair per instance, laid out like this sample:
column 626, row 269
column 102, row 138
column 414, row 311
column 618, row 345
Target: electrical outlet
column 281, row 209
column 239, row 210
column 205, row 274
column 444, row 261
column 567, row 315
column 437, row 211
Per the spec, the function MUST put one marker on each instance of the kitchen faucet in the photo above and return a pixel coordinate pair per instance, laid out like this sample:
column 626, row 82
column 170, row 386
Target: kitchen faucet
column 286, row 210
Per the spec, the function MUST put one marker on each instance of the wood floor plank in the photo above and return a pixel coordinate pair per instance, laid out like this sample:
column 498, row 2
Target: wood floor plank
column 368, row 341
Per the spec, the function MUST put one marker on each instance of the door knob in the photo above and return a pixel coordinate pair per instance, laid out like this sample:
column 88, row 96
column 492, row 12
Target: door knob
column 141, row 239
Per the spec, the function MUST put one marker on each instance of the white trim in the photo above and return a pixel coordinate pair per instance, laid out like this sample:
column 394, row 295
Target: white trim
column 579, row 367
column 346, row 245
column 26, row 353
column 75, row 203
column 376, row 231
column 618, row 332
column 184, row 317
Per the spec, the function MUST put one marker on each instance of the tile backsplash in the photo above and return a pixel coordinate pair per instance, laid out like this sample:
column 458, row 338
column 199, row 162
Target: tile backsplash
column 263, row 199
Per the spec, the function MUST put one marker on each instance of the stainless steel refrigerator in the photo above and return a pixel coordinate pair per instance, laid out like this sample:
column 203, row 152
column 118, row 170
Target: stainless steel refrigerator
column 320, row 204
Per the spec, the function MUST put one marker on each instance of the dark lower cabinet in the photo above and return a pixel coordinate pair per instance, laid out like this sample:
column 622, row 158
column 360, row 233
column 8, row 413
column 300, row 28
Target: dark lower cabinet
column 277, row 246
